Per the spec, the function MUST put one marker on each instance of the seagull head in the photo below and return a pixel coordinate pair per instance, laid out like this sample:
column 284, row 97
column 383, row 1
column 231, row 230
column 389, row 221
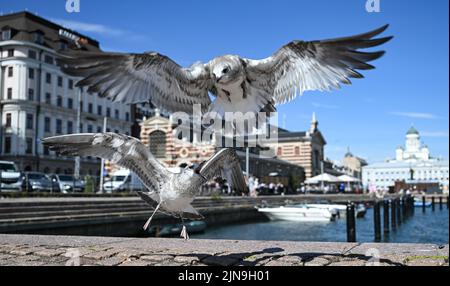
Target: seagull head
column 225, row 69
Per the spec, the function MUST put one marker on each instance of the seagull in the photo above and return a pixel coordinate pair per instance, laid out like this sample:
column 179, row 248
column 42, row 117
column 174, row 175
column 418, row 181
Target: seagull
column 172, row 193
column 235, row 84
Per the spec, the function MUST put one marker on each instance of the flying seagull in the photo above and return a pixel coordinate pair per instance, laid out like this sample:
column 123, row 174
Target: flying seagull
column 167, row 191
column 235, row 83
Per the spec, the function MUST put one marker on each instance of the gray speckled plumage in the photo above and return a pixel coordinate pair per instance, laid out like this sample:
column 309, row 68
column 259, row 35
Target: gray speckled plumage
column 238, row 84
column 173, row 192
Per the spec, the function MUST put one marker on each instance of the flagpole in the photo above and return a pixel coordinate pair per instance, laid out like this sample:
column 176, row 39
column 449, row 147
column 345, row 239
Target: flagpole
column 102, row 168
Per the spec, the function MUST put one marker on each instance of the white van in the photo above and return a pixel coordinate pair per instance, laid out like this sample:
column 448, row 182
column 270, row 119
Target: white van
column 10, row 177
column 123, row 180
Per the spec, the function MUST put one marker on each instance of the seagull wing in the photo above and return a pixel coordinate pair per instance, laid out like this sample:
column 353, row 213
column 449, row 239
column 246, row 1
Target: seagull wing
column 133, row 78
column 316, row 65
column 126, row 151
column 224, row 164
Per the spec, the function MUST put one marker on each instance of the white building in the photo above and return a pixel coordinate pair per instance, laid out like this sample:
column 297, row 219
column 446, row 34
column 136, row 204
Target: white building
column 411, row 164
column 37, row 100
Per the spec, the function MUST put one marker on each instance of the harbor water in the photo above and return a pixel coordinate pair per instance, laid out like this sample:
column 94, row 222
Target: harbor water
column 428, row 227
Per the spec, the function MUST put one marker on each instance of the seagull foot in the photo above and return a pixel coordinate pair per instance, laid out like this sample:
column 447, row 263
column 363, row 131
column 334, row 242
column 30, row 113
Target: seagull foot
column 184, row 233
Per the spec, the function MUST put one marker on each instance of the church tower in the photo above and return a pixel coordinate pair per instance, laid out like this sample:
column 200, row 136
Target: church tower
column 314, row 124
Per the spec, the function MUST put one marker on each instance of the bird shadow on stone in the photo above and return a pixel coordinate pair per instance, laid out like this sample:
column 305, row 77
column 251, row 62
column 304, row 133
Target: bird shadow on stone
column 329, row 258
column 252, row 258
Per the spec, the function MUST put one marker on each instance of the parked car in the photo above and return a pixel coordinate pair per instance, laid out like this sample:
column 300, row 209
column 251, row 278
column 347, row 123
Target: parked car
column 37, row 182
column 123, row 180
column 67, row 183
column 10, row 177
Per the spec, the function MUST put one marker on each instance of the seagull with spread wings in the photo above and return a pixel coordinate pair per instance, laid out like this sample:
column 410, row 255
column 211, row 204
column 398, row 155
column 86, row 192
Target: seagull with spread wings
column 171, row 193
column 235, row 83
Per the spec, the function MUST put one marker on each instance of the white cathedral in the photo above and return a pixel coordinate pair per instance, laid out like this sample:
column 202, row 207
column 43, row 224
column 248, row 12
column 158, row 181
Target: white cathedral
column 413, row 149
column 412, row 163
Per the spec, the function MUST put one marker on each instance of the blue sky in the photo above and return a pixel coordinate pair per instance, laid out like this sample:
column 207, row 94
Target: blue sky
column 409, row 86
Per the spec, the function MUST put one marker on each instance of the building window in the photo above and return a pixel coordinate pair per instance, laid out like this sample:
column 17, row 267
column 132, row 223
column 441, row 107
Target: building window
column 29, row 122
column 116, row 114
column 47, row 124
column 69, row 127
column 158, row 143
column 116, row 131
column 99, row 129
column 9, row 93
column 10, row 71
column 6, row 34
column 29, row 142
column 81, row 127
column 39, row 38
column 297, row 150
column 46, row 152
column 62, row 46
column 108, row 112
column 90, row 108
column 58, row 126
column 59, row 101
column 89, row 130
column 81, row 106
column 32, row 54
column 10, row 53
column 70, row 84
column 99, row 110
column 8, row 120
column 48, row 98
column 48, row 78
column 108, row 129
column 127, row 116
column 31, row 73
column 48, row 59
column 70, row 103
column 30, row 94
column 60, row 81
column 7, row 148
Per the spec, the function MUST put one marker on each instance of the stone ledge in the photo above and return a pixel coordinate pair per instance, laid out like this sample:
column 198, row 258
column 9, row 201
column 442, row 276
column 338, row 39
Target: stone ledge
column 109, row 251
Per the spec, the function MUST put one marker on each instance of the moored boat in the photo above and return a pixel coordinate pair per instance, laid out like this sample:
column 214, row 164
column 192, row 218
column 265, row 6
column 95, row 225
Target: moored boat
column 299, row 213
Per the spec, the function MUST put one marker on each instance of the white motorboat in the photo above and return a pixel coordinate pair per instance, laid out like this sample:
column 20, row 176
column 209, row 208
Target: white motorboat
column 360, row 210
column 299, row 213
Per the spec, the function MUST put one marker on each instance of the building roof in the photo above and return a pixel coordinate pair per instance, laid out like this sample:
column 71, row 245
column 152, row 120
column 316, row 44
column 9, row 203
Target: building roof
column 412, row 130
column 25, row 25
column 408, row 164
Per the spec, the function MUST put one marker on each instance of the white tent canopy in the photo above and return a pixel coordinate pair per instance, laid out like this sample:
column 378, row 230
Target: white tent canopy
column 348, row 179
column 326, row 178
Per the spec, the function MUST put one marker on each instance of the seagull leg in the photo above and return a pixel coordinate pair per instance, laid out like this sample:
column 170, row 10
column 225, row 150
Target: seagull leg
column 150, row 218
column 184, row 233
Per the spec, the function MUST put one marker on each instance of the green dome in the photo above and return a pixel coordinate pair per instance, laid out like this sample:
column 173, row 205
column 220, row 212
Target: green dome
column 412, row 130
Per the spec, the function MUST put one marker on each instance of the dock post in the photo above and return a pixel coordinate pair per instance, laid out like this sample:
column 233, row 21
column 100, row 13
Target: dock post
column 399, row 212
column 377, row 221
column 411, row 204
column 423, row 204
column 440, row 203
column 386, row 217
column 351, row 226
column 432, row 203
column 404, row 209
column 393, row 214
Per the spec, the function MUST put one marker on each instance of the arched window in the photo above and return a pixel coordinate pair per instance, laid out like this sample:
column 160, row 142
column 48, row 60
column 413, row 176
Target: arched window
column 158, row 143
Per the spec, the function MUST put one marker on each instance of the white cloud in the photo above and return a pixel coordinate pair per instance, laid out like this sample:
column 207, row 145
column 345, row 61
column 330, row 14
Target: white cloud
column 415, row 115
column 434, row 134
column 326, row 106
column 98, row 29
